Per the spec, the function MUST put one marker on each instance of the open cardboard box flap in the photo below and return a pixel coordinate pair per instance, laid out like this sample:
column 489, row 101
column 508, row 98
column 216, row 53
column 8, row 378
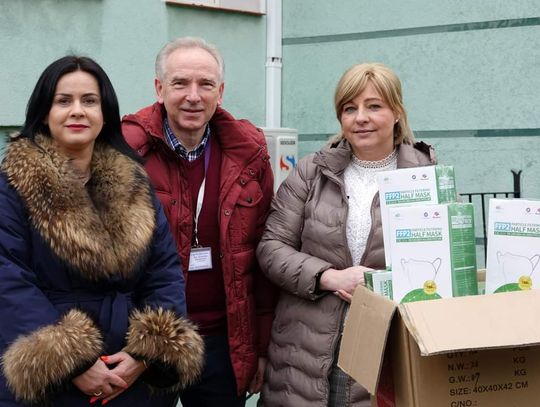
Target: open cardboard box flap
column 364, row 337
column 441, row 326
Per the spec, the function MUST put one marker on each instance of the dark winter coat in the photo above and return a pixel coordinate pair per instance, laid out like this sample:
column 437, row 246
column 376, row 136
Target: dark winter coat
column 245, row 193
column 86, row 272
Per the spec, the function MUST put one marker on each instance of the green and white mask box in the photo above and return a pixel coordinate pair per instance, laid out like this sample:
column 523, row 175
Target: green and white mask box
column 433, row 251
column 413, row 186
column 513, row 251
column 379, row 281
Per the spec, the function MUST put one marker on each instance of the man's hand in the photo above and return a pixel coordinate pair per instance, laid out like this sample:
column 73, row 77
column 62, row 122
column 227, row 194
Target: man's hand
column 258, row 379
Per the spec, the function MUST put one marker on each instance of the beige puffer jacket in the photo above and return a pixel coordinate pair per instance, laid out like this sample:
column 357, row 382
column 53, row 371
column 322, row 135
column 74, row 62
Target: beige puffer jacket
column 306, row 234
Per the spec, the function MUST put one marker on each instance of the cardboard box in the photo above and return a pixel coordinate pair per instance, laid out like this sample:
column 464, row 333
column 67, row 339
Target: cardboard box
column 513, row 250
column 433, row 251
column 480, row 351
column 413, row 186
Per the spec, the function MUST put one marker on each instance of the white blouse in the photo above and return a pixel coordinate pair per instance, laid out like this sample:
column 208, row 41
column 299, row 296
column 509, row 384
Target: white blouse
column 360, row 187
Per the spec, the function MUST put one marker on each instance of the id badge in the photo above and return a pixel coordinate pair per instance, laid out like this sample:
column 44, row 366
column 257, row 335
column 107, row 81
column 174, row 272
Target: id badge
column 200, row 258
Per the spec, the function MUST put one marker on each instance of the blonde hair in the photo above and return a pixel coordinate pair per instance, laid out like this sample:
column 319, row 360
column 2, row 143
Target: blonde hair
column 387, row 84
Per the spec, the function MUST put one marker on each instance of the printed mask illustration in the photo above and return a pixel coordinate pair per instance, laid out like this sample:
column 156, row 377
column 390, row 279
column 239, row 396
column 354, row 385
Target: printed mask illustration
column 518, row 269
column 422, row 273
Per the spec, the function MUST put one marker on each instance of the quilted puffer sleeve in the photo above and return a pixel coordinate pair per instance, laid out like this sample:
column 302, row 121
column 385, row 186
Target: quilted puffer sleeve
column 279, row 252
column 264, row 292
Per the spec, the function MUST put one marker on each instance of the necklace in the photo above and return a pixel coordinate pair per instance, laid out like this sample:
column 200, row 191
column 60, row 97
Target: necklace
column 385, row 162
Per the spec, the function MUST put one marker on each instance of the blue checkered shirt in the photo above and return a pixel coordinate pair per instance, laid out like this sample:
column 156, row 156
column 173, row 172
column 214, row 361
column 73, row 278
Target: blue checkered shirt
column 179, row 149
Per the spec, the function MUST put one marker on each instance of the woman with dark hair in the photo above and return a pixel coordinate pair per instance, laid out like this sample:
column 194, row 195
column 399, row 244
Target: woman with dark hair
column 42, row 99
column 90, row 283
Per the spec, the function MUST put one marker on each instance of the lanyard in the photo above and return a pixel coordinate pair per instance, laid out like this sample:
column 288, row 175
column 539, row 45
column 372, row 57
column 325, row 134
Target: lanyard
column 200, row 195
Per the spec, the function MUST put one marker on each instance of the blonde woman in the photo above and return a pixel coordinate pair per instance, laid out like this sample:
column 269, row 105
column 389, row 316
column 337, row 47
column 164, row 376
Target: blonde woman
column 324, row 231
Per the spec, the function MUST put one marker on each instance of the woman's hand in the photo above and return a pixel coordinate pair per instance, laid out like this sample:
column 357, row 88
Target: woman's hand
column 343, row 282
column 126, row 367
column 344, row 295
column 98, row 381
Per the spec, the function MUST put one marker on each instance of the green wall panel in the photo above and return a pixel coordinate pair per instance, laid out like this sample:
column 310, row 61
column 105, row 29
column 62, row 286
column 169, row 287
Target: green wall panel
column 124, row 36
column 321, row 17
column 470, row 72
column 464, row 80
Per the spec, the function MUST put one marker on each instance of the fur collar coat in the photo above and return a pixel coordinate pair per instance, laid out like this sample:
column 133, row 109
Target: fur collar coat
column 86, row 271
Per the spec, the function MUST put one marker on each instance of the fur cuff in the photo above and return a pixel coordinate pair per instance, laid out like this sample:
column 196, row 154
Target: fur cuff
column 158, row 335
column 36, row 363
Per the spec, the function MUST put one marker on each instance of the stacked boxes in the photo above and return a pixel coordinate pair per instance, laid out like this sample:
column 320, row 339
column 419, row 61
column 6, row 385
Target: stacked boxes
column 513, row 254
column 470, row 351
column 433, row 251
column 428, row 238
column 411, row 187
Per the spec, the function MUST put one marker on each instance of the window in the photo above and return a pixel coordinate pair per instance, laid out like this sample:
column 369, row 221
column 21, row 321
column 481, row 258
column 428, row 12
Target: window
column 244, row 6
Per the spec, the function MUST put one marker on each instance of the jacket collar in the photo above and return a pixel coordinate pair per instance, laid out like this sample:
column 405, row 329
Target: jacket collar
column 415, row 155
column 239, row 139
column 336, row 157
column 102, row 231
column 236, row 137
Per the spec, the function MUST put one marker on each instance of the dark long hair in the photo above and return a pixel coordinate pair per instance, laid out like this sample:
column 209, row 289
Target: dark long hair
column 42, row 97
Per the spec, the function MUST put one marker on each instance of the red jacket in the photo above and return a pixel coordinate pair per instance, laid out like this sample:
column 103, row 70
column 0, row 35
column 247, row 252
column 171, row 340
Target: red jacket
column 246, row 187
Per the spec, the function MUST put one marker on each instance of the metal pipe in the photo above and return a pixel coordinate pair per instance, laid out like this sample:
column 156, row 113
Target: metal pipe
column 517, row 183
column 273, row 63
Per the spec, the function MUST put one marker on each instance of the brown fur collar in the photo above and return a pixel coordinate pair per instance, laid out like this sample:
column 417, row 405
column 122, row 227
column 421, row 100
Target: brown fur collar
column 100, row 234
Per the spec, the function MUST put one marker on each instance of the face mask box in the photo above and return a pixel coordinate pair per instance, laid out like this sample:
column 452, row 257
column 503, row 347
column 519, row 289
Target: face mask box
column 433, row 251
column 413, row 186
column 513, row 250
column 379, row 281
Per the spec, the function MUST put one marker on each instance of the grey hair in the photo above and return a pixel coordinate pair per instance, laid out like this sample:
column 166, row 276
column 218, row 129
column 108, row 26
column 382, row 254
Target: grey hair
column 187, row 43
